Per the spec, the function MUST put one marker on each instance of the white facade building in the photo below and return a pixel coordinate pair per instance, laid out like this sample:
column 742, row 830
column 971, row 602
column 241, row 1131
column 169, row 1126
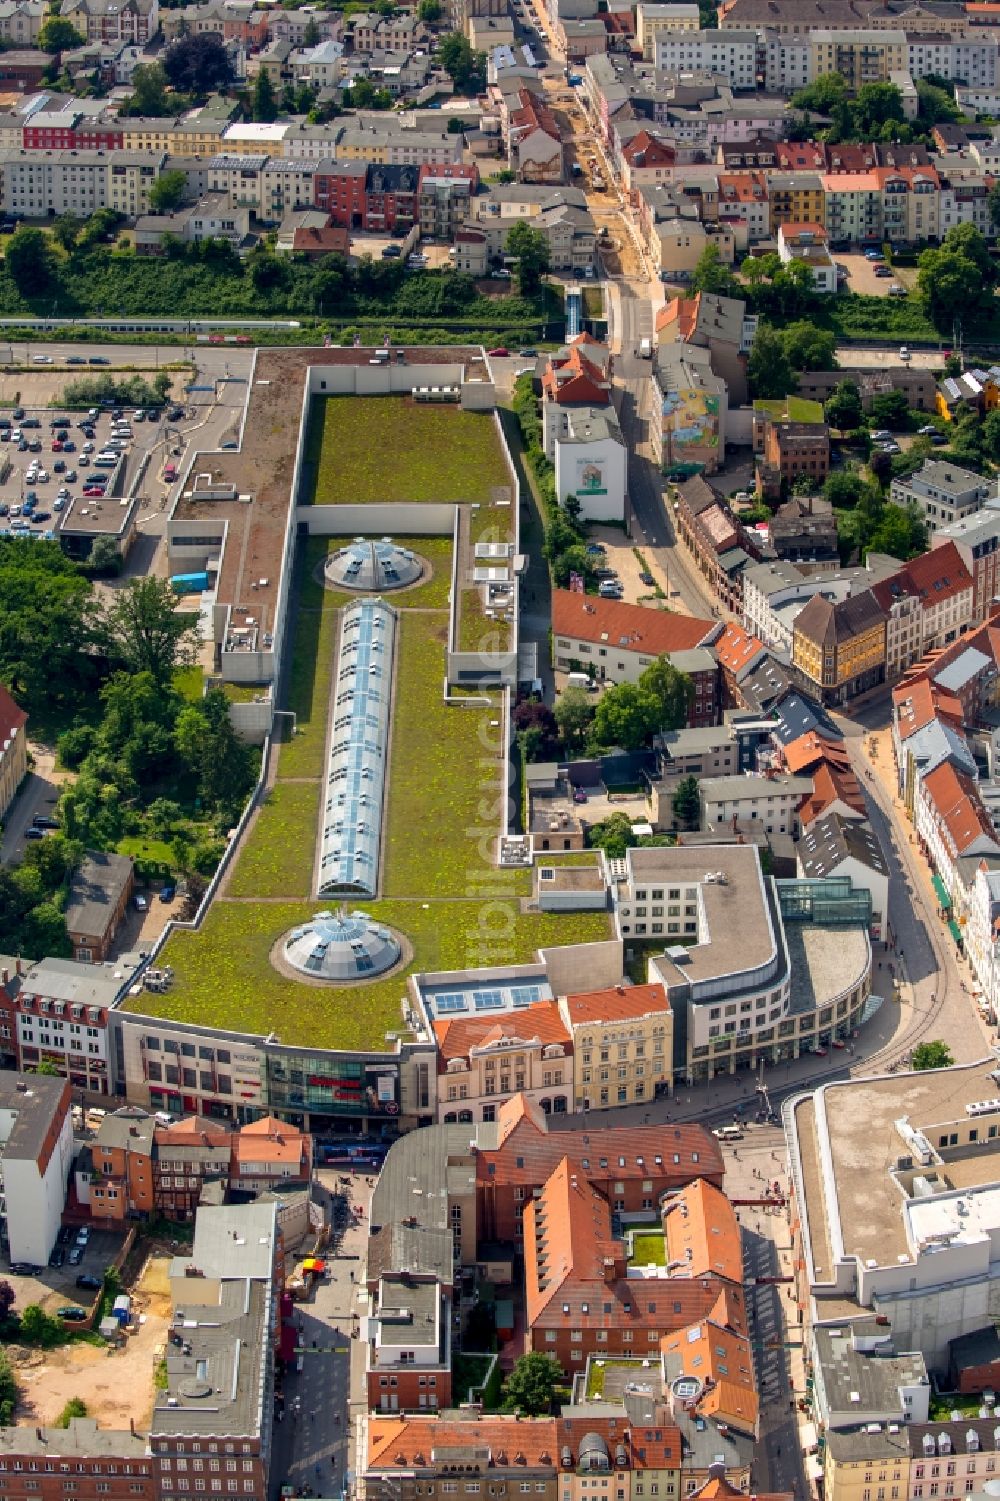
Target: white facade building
column 36, row 1150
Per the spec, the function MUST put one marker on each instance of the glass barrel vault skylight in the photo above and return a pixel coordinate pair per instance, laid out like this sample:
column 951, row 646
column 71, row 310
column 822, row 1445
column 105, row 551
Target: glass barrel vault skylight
column 351, row 814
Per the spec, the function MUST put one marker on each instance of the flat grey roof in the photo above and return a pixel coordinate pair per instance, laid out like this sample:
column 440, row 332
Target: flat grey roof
column 218, row 1389
column 719, row 789
column 71, row 980
column 876, row 1377
column 83, row 1439
column 33, row 1100
column 413, row 1185
column 236, row 1240
column 823, row 962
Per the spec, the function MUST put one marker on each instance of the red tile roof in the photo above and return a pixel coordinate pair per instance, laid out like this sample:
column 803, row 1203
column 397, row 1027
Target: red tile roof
column 409, row 1442
column 936, row 576
column 831, row 785
column 655, row 152
column 721, row 1359
column 736, row 648
column 12, row 718
column 701, row 1231
column 917, row 701
column 811, row 748
column 618, row 1004
column 457, row 1035
column 956, row 802
column 587, row 617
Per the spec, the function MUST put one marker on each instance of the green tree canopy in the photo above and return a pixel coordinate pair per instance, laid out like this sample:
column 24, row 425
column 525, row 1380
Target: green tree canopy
column 28, row 260
column 58, row 35
column 198, row 64
column 574, row 713
column 768, row 369
column 890, row 409
column 146, row 630
column 167, row 192
column 531, row 1386
column 466, row 68
column 686, row 803
column 149, row 92
column 613, row 835
column 931, row 1055
column 531, row 247
column 843, row 408
column 263, row 102
column 711, row 275
column 956, row 281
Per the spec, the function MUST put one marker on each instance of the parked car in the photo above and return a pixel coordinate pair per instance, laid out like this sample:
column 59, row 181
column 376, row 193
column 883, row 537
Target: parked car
column 58, row 1256
column 24, row 1269
column 647, row 579
column 499, row 353
column 883, row 271
column 76, row 1255
column 72, row 1312
column 4, row 508
column 65, row 1235
column 141, row 902
column 97, row 359
column 904, row 353
column 168, row 893
column 83, row 1235
column 39, row 516
column 89, row 1283
column 59, row 467
column 70, row 476
column 76, row 359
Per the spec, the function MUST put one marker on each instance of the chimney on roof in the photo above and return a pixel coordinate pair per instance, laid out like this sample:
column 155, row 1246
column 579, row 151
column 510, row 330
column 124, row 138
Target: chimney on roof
column 5, row 976
column 609, row 1269
column 18, row 967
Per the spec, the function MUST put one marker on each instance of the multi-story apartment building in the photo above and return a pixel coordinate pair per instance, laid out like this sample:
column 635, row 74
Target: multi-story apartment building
column 36, row 1463
column 748, row 802
column 484, row 1059
column 70, row 181
column 977, row 538
column 796, row 198
column 62, row 1011
column 943, row 493
column 622, row 1045
column 227, row 1291
column 839, row 647
column 730, row 54
column 859, row 56
column 971, row 61
column 790, row 438
column 408, row 1354
column 22, row 20
column 13, row 749
column 36, row 1149
column 652, row 19
column 132, row 21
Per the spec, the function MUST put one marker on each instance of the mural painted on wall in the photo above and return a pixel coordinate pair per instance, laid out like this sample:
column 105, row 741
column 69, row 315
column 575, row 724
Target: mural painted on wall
column 690, row 421
column 590, row 478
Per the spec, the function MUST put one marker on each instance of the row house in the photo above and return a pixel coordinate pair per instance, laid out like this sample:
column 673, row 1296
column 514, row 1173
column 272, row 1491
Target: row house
column 41, row 1464
column 839, row 648
column 859, row 56
column 70, row 130
column 295, row 25
column 139, row 1166
column 483, row 1060
column 134, row 21
column 377, row 198
column 22, row 20
column 269, row 186
column 977, row 539
column 41, row 184
column 399, row 33
column 233, row 22
column 951, row 822
column 534, row 141
column 393, row 147
column 731, row 54
column 61, row 1014
column 745, row 206
column 796, row 198
column 972, row 62
column 718, row 543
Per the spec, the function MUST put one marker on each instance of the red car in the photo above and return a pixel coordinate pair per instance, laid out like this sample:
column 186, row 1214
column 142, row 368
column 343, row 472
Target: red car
column 499, row 354
column 57, row 445
column 94, row 491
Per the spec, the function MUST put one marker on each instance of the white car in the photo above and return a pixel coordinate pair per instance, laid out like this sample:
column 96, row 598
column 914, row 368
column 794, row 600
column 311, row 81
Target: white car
column 904, row 353
column 41, row 359
column 42, row 477
column 87, row 448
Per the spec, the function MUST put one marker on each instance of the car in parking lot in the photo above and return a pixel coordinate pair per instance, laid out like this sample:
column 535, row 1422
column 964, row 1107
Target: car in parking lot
column 83, row 1235
column 93, row 492
column 58, row 1256
column 72, row 1312
column 168, row 893
column 70, row 476
column 76, row 1255
column 647, row 579
column 65, row 1235
column 41, row 359
column 88, row 1282
column 35, row 445
column 25, row 1269
column 45, row 821
column 882, row 270
column 39, row 516
column 4, row 508
column 904, row 353
column 141, row 902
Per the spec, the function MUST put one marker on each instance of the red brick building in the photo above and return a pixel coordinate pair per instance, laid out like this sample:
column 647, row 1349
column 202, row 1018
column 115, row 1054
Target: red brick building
column 97, row 1464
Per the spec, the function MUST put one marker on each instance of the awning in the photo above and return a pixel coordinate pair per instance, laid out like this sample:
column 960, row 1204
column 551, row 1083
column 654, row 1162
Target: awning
column 955, row 930
column 942, row 892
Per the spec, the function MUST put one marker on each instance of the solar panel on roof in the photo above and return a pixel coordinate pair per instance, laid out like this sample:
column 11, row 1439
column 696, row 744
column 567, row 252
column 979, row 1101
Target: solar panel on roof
column 443, row 1004
column 487, row 1000
column 525, row 995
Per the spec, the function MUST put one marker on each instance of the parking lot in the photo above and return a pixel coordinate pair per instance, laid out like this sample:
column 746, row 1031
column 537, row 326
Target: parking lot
column 861, row 275
column 54, row 1287
column 52, row 473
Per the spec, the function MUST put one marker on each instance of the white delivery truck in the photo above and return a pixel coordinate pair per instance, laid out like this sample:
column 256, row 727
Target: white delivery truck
column 645, row 349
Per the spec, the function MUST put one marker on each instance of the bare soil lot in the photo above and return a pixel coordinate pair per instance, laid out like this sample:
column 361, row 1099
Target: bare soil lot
column 116, row 1384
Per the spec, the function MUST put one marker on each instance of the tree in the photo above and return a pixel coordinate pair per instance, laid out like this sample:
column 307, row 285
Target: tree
column 8, row 1391
column 264, row 104
column 768, row 370
column 59, row 35
column 993, row 201
column 531, row 1386
column 466, row 68
column 613, row 835
column 686, row 803
column 430, row 11
column 48, row 625
column 843, row 408
column 673, row 691
column 8, row 1297
column 76, row 1407
column 167, row 192
column 221, row 761
column 627, row 715
column 38, row 1328
column 876, row 105
column 574, row 712
column 842, row 489
column 199, row 64
column 46, row 1068
column 823, row 95
column 28, row 260
column 936, row 106
column 66, row 231
column 146, row 631
column 931, row 1055
column 531, row 247
column 149, row 91
column 710, row 275
column 957, row 280
column 808, row 347
column 310, row 36
column 890, row 409
column 880, row 467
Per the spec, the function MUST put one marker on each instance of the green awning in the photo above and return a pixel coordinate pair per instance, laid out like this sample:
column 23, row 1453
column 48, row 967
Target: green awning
column 955, row 930
column 942, row 892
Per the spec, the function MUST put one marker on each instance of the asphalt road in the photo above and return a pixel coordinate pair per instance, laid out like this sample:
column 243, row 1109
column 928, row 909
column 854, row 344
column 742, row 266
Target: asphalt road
column 214, row 360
